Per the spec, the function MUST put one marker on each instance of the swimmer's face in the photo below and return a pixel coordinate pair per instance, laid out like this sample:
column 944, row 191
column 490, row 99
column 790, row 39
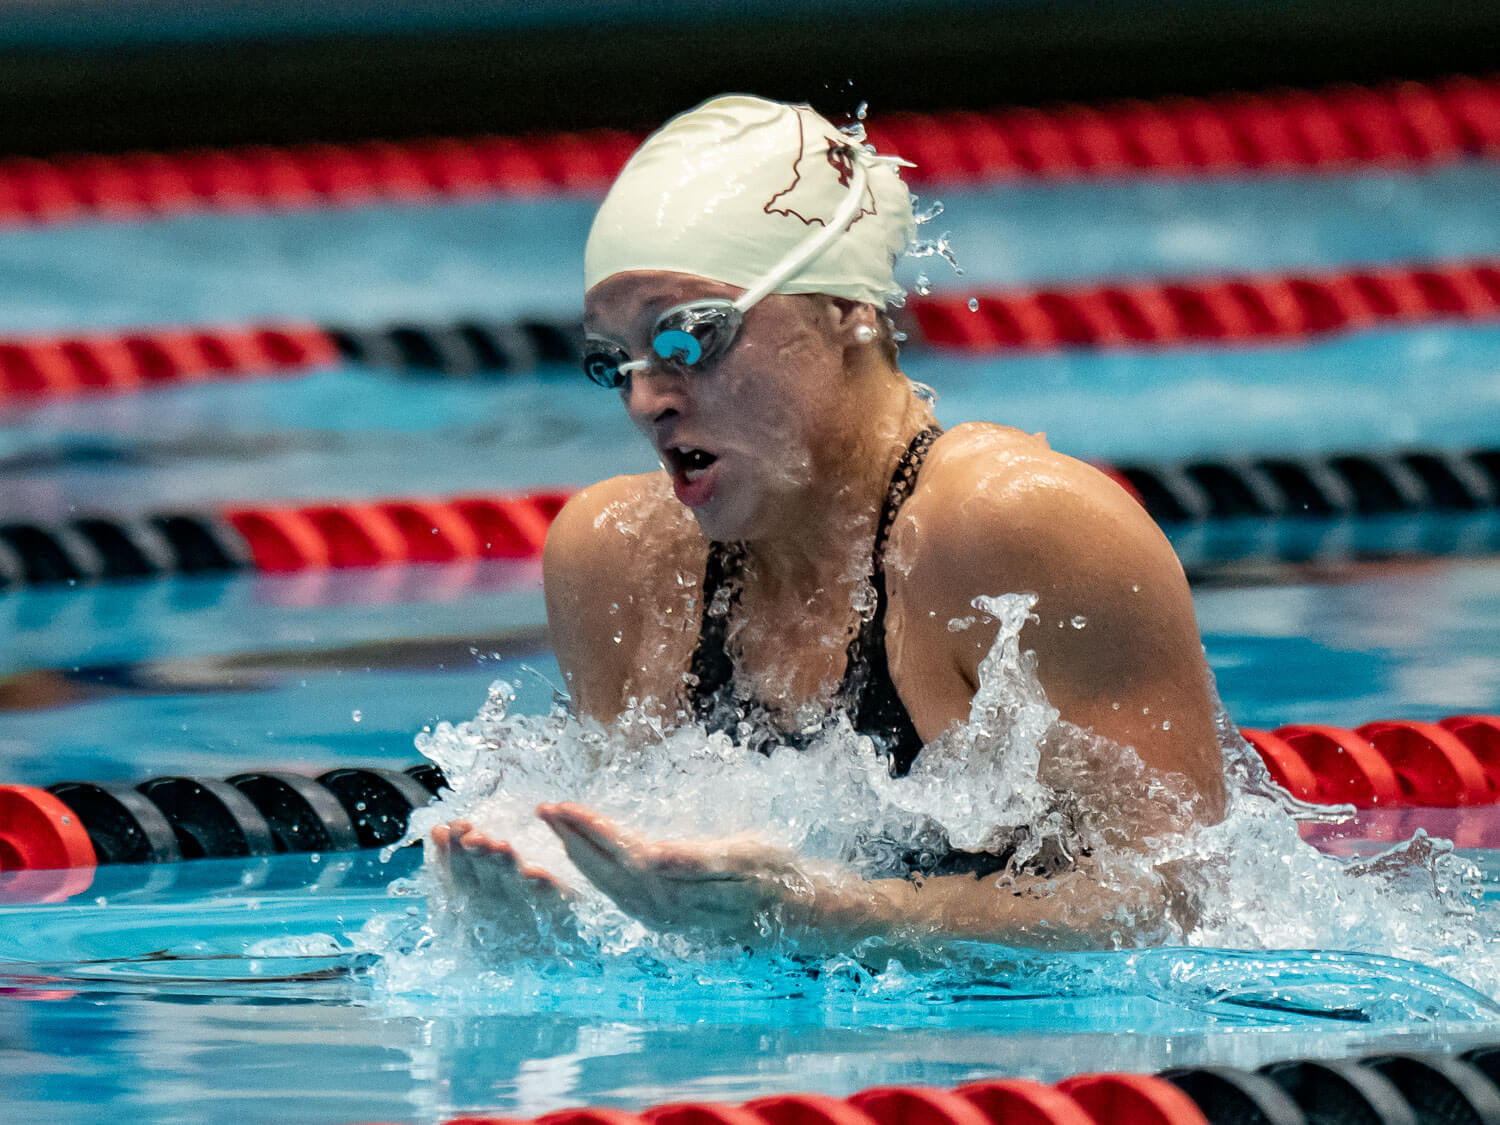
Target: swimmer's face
column 740, row 437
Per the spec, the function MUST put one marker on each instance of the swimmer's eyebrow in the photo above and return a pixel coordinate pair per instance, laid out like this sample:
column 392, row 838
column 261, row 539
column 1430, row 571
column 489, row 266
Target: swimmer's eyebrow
column 645, row 316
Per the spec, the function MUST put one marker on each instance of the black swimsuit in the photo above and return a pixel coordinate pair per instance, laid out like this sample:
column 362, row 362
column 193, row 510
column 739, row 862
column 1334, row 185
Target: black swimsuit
column 867, row 694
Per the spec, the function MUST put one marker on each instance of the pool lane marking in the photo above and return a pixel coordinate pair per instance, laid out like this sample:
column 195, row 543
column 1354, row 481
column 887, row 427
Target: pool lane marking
column 1222, row 311
column 1406, row 124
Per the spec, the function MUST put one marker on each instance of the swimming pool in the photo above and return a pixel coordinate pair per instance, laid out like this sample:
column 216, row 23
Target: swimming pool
column 296, row 987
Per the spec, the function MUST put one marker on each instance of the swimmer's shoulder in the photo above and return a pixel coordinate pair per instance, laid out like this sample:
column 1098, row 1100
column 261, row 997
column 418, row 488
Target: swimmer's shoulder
column 615, row 542
column 614, row 521
column 1008, row 495
column 609, row 567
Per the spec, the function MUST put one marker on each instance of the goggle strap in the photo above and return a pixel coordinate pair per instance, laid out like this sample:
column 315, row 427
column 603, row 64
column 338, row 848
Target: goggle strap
column 815, row 243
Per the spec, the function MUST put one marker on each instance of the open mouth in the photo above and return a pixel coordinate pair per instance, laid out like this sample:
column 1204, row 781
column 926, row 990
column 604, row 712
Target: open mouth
column 688, row 462
column 692, row 470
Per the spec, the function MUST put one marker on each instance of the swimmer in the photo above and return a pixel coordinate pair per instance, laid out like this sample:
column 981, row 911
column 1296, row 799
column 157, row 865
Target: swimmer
column 813, row 544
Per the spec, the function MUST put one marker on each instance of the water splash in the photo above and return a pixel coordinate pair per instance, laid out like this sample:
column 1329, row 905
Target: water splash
column 1351, row 931
column 936, row 247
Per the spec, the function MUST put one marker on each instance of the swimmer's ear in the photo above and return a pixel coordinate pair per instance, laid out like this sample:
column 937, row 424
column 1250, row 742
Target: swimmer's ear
column 849, row 317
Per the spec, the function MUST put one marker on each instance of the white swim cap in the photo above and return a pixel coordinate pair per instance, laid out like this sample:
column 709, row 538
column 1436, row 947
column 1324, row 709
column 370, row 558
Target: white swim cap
column 738, row 191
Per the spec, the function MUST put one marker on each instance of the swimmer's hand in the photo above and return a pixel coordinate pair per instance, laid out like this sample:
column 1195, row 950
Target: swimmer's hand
column 485, row 877
column 738, row 889
column 752, row 893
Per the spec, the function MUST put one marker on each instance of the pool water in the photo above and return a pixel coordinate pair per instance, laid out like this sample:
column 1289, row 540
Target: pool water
column 304, row 988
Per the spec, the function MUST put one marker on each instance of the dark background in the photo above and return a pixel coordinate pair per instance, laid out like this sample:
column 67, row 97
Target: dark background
column 110, row 76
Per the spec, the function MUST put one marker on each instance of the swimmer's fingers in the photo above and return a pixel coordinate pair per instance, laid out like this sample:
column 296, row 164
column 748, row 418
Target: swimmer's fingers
column 590, row 830
column 605, row 855
column 721, row 885
column 490, row 872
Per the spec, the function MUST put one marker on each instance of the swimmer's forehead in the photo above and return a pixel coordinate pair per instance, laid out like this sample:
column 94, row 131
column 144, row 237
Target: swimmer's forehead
column 627, row 303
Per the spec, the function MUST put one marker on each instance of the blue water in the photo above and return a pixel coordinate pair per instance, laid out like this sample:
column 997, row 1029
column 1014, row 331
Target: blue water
column 197, row 991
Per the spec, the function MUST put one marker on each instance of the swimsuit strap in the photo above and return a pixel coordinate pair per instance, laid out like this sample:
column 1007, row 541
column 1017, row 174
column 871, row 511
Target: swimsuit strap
column 712, row 669
column 867, row 690
column 903, row 480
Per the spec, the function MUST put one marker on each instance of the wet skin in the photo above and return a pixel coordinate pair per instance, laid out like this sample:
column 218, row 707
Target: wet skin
column 800, row 426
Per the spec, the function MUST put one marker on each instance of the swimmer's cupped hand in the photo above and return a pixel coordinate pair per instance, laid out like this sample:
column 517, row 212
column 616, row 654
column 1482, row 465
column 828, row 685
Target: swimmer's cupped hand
column 486, row 878
column 738, row 889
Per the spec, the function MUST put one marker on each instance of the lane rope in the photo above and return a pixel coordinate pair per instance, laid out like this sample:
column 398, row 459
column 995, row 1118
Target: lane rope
column 1302, row 502
column 1386, row 765
column 1406, row 124
column 1384, row 1089
column 1218, row 311
column 277, row 538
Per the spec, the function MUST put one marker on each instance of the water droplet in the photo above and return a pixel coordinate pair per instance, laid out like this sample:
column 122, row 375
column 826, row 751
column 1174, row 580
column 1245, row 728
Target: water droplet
column 973, row 304
column 1166, row 724
column 1079, row 621
column 930, row 212
column 618, row 638
column 357, row 715
column 1115, row 706
column 1135, row 589
column 923, row 284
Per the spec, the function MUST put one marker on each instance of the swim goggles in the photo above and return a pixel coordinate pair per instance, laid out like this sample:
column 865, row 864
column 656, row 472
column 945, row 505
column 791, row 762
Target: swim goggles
column 692, row 335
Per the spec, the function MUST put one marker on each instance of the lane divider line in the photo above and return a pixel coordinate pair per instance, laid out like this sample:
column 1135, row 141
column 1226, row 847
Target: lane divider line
column 62, row 366
column 1393, row 1089
column 1218, row 311
column 1303, row 493
column 1405, row 124
column 277, row 538
column 1391, row 764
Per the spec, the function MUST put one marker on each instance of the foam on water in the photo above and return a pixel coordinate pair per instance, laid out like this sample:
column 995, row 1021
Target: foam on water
column 1245, row 886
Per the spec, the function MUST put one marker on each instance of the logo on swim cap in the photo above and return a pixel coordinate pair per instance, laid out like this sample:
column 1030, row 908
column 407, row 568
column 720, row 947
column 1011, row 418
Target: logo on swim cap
column 805, row 199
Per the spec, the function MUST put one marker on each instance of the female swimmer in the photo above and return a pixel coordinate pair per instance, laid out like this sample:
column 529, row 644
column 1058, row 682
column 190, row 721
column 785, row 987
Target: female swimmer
column 812, row 545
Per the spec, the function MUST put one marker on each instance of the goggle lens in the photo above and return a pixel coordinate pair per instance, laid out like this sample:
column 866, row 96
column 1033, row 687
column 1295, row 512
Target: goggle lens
column 602, row 362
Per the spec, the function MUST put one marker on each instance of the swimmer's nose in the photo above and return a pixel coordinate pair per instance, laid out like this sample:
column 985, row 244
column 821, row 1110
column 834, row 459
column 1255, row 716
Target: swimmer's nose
column 653, row 395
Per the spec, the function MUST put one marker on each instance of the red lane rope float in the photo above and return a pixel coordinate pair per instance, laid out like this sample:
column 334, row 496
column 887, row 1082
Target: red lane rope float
column 1403, row 124
column 1131, row 314
column 1018, row 1101
column 1132, row 1099
column 45, row 853
column 396, row 531
column 57, row 366
column 1450, row 764
column 1218, row 311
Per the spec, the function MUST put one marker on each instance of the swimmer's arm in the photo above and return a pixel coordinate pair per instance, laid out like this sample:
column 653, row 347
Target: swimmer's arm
column 1117, row 643
column 1071, row 911
column 588, row 597
column 746, row 891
